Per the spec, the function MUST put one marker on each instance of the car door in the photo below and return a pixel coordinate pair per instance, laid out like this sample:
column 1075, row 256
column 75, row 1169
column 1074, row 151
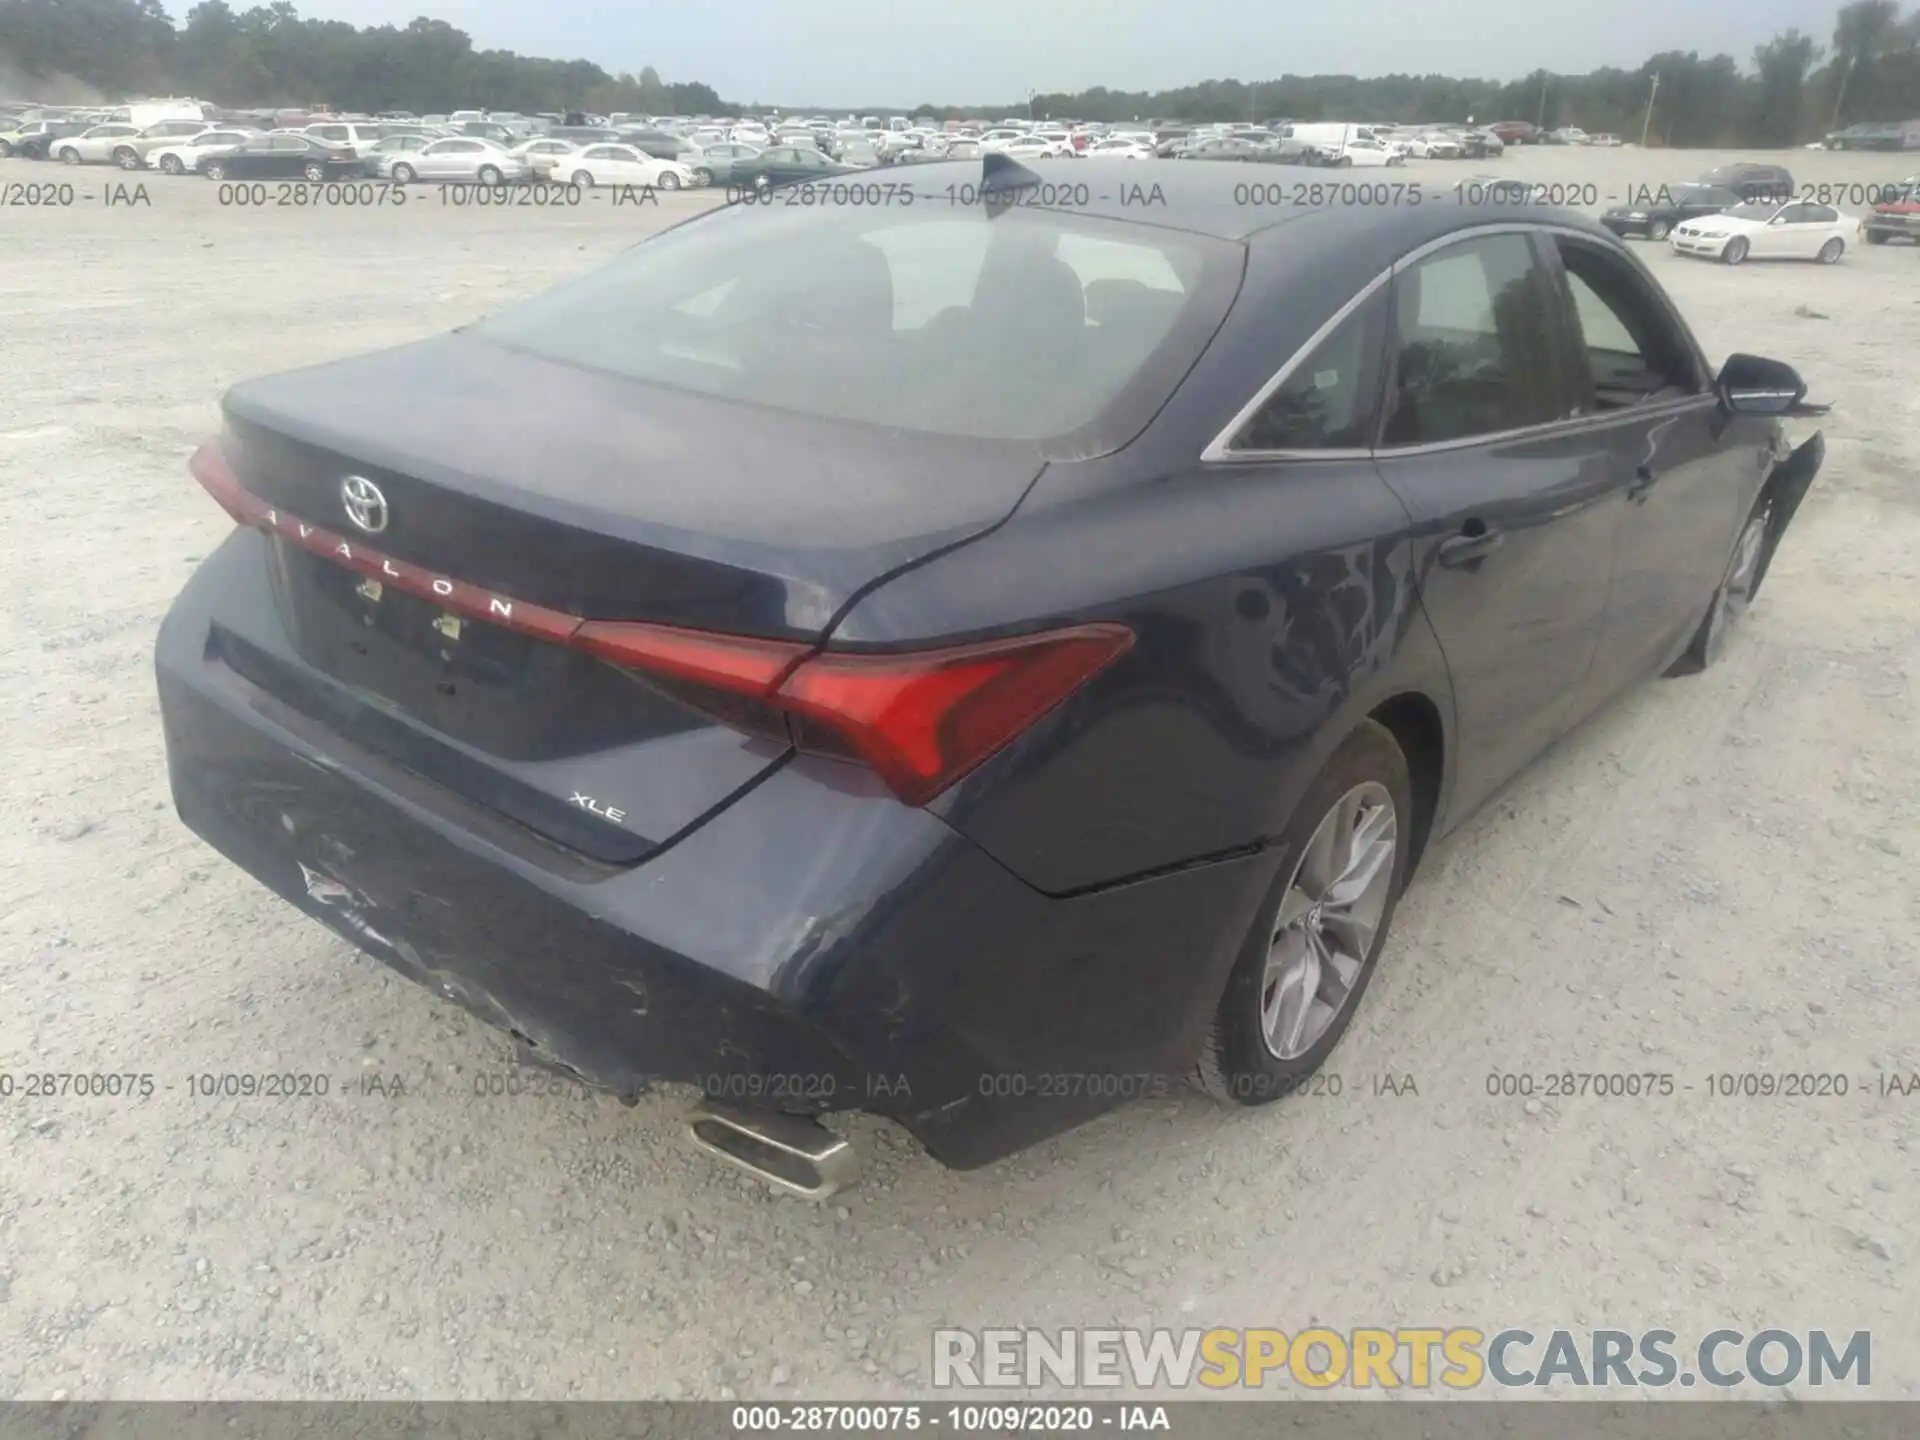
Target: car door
column 1686, row 473
column 1775, row 239
column 1514, row 502
column 1815, row 227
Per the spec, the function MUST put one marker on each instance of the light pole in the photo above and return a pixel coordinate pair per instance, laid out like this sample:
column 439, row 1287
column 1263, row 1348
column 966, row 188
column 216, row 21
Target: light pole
column 1647, row 123
column 1841, row 98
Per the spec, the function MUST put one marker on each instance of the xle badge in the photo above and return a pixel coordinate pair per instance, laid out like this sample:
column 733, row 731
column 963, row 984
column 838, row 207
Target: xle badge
column 605, row 812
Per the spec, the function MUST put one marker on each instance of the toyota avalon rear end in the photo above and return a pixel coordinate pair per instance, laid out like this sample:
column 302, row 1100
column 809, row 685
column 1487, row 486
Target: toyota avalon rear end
column 521, row 668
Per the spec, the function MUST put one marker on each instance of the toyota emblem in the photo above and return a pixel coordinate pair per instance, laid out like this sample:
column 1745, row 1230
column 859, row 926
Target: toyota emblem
column 366, row 506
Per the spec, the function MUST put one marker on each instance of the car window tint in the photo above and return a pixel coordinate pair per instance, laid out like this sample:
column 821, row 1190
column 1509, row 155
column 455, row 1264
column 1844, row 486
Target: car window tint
column 1330, row 398
column 1474, row 347
column 1822, row 214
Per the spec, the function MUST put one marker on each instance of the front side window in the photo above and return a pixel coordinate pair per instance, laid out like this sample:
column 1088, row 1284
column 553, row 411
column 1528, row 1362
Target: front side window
column 1632, row 348
column 1330, row 399
column 1473, row 349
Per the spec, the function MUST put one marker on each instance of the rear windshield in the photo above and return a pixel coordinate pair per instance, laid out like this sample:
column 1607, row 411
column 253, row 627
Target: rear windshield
column 1028, row 325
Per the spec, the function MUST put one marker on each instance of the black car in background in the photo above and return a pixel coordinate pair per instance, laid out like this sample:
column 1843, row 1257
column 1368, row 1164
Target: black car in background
column 1752, row 181
column 783, row 165
column 1654, row 215
column 675, row 689
column 1870, row 135
column 281, row 156
column 659, row 144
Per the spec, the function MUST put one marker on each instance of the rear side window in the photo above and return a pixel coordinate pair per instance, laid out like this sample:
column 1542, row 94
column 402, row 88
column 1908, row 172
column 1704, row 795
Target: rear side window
column 1030, row 325
column 1330, row 399
column 1474, row 348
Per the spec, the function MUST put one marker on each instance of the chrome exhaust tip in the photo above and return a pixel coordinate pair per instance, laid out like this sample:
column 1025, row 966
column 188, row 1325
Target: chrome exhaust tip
column 793, row 1153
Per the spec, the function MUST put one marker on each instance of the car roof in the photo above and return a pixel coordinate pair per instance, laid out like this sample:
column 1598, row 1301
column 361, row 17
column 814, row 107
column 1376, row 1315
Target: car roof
column 1215, row 200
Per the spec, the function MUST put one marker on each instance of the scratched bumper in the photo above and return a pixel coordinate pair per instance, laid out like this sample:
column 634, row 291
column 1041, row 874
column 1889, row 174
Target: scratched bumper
column 813, row 946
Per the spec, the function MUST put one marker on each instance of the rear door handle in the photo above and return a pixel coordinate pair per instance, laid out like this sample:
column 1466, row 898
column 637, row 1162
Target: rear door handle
column 1468, row 549
column 1643, row 481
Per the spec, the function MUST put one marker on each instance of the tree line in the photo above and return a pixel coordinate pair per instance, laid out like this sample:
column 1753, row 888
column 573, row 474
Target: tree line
column 1794, row 87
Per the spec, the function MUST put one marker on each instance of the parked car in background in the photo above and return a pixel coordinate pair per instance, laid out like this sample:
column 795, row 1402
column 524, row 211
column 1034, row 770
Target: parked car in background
column 1433, row 145
column 787, row 164
column 394, row 146
column 657, row 143
column 33, row 139
column 1654, row 216
column 1752, row 180
column 1605, row 141
column 98, row 145
column 178, row 157
column 1762, row 230
column 1362, row 152
column 1127, row 148
column 544, row 156
column 283, row 155
column 1896, row 217
column 458, row 159
column 1569, row 135
column 361, row 137
column 713, row 164
column 1515, row 132
column 624, row 165
column 1869, row 135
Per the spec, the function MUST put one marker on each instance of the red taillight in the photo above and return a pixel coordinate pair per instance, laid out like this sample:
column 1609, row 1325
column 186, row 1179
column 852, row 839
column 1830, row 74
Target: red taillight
column 922, row 719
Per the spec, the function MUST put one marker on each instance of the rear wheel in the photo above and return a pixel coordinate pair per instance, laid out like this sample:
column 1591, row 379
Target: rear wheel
column 703, row 175
column 172, row 165
column 1831, row 251
column 404, row 174
column 1874, row 237
column 1730, row 600
column 1736, row 250
column 582, row 180
column 1345, row 162
column 127, row 158
column 314, row 171
column 6, row 150
column 669, row 181
column 69, row 156
column 1318, row 933
column 216, row 171
column 1657, row 230
column 490, row 175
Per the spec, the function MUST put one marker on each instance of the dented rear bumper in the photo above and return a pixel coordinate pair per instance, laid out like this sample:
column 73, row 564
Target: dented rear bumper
column 812, row 946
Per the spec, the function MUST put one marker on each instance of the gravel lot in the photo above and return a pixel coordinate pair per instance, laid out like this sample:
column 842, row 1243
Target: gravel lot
column 1714, row 876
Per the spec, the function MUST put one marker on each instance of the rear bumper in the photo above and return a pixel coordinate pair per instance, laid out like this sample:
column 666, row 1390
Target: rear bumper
column 813, row 946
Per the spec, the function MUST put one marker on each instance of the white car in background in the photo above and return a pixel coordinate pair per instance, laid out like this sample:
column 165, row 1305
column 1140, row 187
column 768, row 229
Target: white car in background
column 1433, row 145
column 1361, row 154
column 1034, row 147
column 995, row 139
column 543, row 157
column 624, row 165
column 1120, row 149
column 97, row 146
column 457, row 159
column 749, row 134
column 360, row 136
column 179, row 157
column 1762, row 230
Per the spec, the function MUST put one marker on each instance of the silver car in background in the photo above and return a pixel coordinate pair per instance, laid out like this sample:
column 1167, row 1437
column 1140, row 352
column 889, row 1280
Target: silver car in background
column 460, row 159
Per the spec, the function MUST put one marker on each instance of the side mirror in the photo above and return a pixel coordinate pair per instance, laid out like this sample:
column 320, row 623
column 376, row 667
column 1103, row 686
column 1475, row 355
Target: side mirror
column 1754, row 385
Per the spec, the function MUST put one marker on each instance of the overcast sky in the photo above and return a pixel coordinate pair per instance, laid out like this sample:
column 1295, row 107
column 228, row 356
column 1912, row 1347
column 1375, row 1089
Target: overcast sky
column 957, row 52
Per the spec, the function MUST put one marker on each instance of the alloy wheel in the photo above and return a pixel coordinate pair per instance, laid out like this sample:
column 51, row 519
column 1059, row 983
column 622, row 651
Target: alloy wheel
column 1328, row 919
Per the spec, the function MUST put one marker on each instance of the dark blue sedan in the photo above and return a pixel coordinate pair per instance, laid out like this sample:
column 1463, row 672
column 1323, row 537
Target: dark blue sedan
column 976, row 650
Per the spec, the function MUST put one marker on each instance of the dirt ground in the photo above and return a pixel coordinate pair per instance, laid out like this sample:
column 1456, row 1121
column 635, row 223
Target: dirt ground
column 1715, row 877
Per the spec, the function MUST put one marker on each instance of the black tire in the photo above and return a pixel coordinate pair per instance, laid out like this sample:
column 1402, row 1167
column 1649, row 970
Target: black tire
column 582, row 180
column 1345, row 162
column 1236, row 1065
column 171, row 165
column 314, row 171
column 216, row 170
column 1831, row 252
column 669, row 180
column 1735, row 252
column 1657, row 230
column 1727, row 605
column 69, row 156
column 127, row 158
column 404, row 174
column 489, row 175
column 703, row 175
